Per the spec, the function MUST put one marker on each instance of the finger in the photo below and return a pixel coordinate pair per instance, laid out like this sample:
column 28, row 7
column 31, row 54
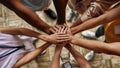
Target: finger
column 62, row 35
column 55, row 28
column 64, row 40
column 52, row 30
column 65, row 31
column 59, row 27
column 62, row 29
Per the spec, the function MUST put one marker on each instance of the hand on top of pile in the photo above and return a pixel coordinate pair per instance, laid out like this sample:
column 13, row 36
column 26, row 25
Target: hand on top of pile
column 63, row 30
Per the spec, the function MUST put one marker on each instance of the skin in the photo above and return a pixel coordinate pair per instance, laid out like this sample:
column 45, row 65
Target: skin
column 54, row 38
column 30, row 17
column 60, row 6
column 78, row 57
column 103, row 19
column 82, row 10
column 30, row 56
column 56, row 57
column 26, row 14
column 108, row 48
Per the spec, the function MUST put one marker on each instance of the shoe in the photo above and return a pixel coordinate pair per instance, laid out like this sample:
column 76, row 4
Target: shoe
column 70, row 16
column 76, row 16
column 90, row 56
column 50, row 13
column 67, row 65
column 100, row 31
column 88, row 34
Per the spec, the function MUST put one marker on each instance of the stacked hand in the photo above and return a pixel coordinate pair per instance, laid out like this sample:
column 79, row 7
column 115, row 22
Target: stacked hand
column 62, row 33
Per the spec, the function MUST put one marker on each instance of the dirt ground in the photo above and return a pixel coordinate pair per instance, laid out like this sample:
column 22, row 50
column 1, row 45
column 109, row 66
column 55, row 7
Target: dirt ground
column 9, row 19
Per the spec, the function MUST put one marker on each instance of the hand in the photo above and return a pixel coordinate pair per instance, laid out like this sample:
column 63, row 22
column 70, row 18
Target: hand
column 73, row 39
column 56, row 38
column 58, row 28
column 55, row 28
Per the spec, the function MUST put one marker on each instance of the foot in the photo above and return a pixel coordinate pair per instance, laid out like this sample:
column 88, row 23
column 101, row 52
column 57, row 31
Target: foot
column 90, row 56
column 88, row 34
column 51, row 13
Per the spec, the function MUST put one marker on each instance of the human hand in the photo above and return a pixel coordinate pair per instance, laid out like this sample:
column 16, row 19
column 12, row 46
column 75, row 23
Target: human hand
column 54, row 28
column 55, row 38
column 59, row 35
column 72, row 38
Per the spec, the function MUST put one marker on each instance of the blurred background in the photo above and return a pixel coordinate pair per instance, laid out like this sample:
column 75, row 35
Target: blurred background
column 10, row 19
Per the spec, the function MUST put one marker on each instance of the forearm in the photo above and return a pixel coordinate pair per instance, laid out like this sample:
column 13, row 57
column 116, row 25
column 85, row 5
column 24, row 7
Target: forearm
column 87, row 25
column 20, row 31
column 56, row 57
column 98, row 46
column 32, row 55
column 60, row 6
column 28, row 15
column 78, row 22
column 78, row 57
column 105, row 18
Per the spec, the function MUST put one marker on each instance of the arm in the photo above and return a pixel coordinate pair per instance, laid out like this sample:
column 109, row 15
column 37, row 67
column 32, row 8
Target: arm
column 78, row 22
column 78, row 57
column 54, row 38
column 109, row 48
column 105, row 18
column 56, row 57
column 28, row 15
column 60, row 6
column 30, row 56
column 95, row 9
column 20, row 31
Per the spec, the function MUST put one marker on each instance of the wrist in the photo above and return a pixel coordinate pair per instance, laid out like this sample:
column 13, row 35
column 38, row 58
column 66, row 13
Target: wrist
column 43, row 37
column 73, row 30
column 74, row 40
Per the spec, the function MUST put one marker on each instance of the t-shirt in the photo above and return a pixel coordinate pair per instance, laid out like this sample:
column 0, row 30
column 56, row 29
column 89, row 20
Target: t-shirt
column 12, row 40
column 97, row 8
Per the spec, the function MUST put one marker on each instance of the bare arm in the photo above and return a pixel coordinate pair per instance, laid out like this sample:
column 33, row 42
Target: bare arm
column 28, row 15
column 54, row 38
column 109, row 48
column 105, row 18
column 56, row 57
column 78, row 57
column 78, row 22
column 60, row 6
column 20, row 31
column 30, row 56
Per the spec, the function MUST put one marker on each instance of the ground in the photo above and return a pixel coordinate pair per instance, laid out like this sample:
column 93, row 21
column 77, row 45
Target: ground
column 9, row 19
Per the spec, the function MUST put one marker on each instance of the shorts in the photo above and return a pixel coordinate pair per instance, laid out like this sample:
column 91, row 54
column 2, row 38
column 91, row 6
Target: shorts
column 36, row 5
